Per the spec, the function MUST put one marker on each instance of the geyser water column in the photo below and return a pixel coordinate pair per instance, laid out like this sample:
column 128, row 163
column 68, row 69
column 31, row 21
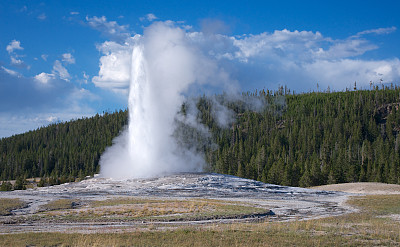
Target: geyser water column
column 164, row 65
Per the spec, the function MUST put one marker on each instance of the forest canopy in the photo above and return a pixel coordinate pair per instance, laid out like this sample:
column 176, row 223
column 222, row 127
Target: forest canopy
column 293, row 139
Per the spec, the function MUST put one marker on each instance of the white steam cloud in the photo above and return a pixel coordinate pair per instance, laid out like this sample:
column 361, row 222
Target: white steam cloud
column 165, row 65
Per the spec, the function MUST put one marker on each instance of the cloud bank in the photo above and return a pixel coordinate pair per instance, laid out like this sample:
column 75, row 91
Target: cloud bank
column 298, row 59
column 31, row 102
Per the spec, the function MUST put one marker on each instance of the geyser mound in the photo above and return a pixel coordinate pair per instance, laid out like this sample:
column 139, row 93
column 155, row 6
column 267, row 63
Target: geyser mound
column 164, row 66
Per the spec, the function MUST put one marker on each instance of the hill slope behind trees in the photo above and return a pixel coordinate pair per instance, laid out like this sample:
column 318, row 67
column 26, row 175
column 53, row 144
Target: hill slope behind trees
column 299, row 140
column 314, row 138
column 61, row 151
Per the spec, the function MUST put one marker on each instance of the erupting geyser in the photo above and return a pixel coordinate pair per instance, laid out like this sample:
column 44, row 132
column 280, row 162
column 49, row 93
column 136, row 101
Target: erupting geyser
column 164, row 65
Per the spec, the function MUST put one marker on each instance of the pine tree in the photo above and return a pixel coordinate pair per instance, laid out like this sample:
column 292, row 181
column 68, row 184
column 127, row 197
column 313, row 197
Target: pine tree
column 20, row 183
column 6, row 186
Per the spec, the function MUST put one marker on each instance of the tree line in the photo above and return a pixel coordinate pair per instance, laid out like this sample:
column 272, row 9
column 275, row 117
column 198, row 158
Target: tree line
column 60, row 152
column 313, row 138
column 293, row 139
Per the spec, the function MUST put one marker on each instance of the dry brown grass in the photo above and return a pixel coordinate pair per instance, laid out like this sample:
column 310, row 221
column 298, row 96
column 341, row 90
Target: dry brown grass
column 6, row 205
column 134, row 208
column 365, row 228
column 123, row 200
column 265, row 234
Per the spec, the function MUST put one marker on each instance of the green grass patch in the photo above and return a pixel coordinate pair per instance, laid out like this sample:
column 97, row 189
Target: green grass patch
column 378, row 204
column 6, row 205
column 59, row 204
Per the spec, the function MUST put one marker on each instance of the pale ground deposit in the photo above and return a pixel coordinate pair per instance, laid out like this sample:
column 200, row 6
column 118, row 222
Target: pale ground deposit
column 270, row 202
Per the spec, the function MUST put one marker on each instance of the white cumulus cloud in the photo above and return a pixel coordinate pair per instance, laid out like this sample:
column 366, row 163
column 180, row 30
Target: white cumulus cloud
column 60, row 70
column 115, row 66
column 149, row 17
column 85, row 77
column 44, row 78
column 299, row 59
column 44, row 57
column 16, row 61
column 27, row 104
column 68, row 58
column 111, row 29
column 345, row 72
column 346, row 48
column 10, row 71
column 14, row 45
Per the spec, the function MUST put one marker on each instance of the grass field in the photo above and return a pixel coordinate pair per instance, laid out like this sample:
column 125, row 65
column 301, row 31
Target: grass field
column 128, row 208
column 373, row 225
column 6, row 205
column 59, row 204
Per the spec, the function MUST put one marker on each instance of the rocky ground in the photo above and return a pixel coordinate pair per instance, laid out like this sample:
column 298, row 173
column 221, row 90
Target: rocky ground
column 109, row 205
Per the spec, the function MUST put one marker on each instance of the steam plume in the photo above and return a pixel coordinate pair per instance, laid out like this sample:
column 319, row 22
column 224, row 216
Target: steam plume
column 164, row 66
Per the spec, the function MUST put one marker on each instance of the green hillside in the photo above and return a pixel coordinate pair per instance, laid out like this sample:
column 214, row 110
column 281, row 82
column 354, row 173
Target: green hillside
column 296, row 139
column 314, row 139
column 62, row 151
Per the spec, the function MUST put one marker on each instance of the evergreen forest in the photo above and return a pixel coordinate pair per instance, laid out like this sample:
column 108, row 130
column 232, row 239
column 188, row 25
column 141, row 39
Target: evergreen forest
column 293, row 139
column 60, row 152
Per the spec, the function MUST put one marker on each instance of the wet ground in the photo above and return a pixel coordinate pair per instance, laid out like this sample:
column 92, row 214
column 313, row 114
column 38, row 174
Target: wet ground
column 273, row 202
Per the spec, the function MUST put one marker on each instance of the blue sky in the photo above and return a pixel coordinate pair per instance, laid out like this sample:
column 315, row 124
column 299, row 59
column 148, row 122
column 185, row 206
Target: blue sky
column 61, row 60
